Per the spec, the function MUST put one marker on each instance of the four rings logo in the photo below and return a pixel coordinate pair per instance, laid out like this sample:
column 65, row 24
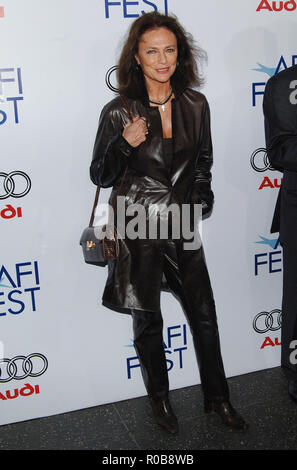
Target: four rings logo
column 108, row 79
column 21, row 367
column 15, row 184
column 260, row 163
column 268, row 321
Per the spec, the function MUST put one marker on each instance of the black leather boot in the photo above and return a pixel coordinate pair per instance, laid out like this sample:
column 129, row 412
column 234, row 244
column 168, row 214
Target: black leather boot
column 148, row 343
column 164, row 414
column 229, row 415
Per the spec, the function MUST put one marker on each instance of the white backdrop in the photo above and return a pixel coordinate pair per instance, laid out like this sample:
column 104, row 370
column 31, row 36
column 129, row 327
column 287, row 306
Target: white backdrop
column 62, row 350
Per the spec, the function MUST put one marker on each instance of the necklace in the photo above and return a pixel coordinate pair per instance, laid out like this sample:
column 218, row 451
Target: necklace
column 162, row 103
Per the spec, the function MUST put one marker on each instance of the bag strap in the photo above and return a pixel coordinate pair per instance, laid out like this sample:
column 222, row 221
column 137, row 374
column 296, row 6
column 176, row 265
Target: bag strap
column 98, row 187
column 127, row 107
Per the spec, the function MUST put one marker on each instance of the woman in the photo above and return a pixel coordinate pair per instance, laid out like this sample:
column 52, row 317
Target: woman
column 167, row 147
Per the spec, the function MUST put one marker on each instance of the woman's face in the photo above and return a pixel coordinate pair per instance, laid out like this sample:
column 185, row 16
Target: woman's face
column 157, row 55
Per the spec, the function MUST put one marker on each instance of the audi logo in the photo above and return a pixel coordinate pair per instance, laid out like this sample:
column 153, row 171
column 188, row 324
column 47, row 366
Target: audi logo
column 107, row 78
column 21, row 367
column 260, row 162
column 13, row 179
column 266, row 321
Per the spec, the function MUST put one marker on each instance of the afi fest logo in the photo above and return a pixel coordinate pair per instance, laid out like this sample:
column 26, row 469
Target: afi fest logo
column 258, row 88
column 175, row 346
column 11, row 93
column 18, row 288
column 260, row 164
column 268, row 262
column 266, row 5
column 133, row 9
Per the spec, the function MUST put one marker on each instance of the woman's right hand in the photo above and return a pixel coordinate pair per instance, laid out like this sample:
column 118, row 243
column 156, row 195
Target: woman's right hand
column 135, row 132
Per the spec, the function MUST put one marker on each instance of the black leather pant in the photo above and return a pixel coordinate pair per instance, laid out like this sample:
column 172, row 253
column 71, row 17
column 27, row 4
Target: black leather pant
column 183, row 273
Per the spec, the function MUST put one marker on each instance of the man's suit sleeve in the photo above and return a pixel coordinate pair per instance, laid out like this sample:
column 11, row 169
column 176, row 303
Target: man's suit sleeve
column 280, row 126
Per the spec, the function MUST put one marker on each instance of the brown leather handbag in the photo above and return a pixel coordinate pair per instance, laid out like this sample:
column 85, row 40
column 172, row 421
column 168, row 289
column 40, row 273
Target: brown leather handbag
column 100, row 243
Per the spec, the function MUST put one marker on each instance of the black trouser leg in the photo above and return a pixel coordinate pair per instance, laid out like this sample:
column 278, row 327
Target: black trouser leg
column 289, row 310
column 148, row 343
column 187, row 277
column 204, row 329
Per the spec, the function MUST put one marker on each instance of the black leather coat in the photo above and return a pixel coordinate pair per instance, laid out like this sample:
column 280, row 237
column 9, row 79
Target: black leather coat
column 136, row 277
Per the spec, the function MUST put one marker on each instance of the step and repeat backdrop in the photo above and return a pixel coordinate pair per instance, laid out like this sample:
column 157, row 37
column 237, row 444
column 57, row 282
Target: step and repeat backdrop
column 60, row 349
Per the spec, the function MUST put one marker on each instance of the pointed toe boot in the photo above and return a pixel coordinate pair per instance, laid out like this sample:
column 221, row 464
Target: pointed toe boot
column 164, row 415
column 228, row 414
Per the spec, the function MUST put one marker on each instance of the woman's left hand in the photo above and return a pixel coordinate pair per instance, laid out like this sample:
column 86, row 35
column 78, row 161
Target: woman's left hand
column 135, row 132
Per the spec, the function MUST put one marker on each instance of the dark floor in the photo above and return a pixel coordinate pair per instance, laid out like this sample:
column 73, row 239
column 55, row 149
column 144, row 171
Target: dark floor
column 261, row 397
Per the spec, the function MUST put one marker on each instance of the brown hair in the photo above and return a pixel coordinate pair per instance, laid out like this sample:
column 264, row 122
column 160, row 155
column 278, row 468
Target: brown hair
column 130, row 76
